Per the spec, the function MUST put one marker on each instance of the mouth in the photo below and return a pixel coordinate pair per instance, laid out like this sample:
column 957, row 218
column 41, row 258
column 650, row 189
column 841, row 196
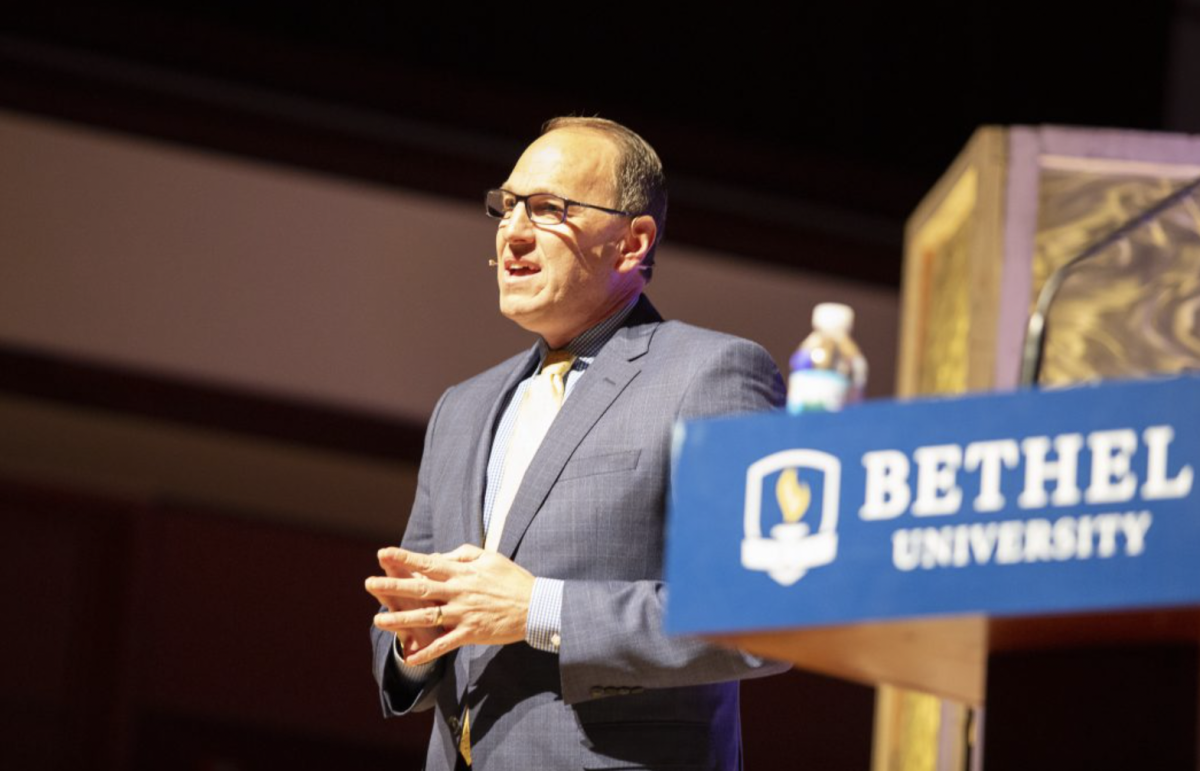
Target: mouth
column 520, row 268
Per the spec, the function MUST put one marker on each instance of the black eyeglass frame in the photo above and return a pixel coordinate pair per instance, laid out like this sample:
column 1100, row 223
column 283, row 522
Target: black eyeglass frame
column 567, row 203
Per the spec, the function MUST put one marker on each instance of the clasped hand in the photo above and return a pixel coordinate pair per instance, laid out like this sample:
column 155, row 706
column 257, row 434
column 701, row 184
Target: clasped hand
column 438, row 602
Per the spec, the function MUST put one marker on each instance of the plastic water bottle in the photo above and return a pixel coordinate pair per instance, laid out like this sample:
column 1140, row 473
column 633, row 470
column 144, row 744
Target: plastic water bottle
column 828, row 370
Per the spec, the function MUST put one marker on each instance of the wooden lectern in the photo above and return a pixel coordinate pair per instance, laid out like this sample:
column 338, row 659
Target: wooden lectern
column 1100, row 679
column 1015, row 206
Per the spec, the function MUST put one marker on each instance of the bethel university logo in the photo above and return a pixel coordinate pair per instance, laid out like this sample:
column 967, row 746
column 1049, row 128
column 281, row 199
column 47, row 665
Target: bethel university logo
column 793, row 547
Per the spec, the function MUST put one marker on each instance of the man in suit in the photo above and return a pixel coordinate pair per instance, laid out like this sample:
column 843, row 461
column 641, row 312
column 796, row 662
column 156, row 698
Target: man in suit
column 526, row 601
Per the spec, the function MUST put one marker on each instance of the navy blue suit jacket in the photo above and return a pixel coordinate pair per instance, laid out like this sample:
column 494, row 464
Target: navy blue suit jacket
column 590, row 511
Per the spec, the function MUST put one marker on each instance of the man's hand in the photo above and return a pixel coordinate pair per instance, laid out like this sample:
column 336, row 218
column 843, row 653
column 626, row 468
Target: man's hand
column 410, row 640
column 466, row 597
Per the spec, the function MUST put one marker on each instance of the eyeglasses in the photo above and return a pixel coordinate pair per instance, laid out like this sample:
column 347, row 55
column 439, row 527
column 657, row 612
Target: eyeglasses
column 541, row 208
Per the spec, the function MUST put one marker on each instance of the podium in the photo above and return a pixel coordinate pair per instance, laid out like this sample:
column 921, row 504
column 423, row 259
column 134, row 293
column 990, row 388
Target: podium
column 1035, row 552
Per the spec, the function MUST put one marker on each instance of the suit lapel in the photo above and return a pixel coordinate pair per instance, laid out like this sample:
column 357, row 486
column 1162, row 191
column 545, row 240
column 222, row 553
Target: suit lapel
column 610, row 373
column 474, row 489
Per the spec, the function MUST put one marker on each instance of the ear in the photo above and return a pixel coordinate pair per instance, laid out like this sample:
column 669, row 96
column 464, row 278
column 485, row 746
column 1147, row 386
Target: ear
column 636, row 243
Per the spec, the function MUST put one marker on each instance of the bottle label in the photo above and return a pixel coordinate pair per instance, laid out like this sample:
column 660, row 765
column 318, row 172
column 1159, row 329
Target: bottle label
column 817, row 390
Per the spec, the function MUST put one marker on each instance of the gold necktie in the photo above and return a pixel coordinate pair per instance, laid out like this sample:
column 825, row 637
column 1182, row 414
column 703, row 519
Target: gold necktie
column 464, row 744
column 541, row 403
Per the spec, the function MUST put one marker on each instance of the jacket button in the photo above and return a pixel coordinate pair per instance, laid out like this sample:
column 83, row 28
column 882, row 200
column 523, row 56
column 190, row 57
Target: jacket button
column 597, row 691
column 453, row 723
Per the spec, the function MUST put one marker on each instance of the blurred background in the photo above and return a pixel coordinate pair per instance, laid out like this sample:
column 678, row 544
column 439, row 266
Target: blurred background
column 243, row 250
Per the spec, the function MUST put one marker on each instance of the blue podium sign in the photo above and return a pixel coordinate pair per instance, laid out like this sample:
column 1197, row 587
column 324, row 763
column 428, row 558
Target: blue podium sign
column 1025, row 503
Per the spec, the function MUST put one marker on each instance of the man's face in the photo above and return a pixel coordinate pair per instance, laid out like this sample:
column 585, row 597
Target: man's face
column 559, row 280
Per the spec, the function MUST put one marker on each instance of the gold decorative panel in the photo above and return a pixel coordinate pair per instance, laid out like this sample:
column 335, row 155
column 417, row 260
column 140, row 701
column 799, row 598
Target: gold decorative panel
column 1133, row 309
column 918, row 732
column 953, row 254
column 942, row 248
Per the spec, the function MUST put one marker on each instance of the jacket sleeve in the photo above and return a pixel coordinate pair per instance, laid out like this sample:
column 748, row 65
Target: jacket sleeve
column 612, row 631
column 398, row 696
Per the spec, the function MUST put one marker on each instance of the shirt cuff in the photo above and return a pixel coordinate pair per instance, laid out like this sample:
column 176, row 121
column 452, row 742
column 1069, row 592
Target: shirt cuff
column 410, row 674
column 544, row 622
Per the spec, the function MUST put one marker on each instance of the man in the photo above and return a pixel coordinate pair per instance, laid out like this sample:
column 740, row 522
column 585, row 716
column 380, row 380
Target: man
column 526, row 603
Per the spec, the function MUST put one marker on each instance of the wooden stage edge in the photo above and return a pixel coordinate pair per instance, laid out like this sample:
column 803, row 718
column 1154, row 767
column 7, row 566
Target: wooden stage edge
column 947, row 656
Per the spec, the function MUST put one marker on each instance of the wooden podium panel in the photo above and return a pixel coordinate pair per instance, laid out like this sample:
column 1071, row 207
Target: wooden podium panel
column 948, row 657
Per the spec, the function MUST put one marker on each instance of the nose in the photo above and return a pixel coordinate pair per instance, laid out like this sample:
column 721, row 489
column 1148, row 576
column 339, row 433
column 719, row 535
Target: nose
column 518, row 226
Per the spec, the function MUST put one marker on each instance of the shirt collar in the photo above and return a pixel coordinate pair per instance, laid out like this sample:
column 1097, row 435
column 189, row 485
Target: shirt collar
column 587, row 345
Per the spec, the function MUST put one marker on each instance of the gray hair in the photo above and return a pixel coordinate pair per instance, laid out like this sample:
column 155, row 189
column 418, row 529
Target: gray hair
column 640, row 183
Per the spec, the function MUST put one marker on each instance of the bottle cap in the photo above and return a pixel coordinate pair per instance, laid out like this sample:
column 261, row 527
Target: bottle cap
column 833, row 317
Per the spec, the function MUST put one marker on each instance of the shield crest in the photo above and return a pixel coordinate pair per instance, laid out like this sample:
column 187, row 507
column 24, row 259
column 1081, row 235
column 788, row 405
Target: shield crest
column 792, row 547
